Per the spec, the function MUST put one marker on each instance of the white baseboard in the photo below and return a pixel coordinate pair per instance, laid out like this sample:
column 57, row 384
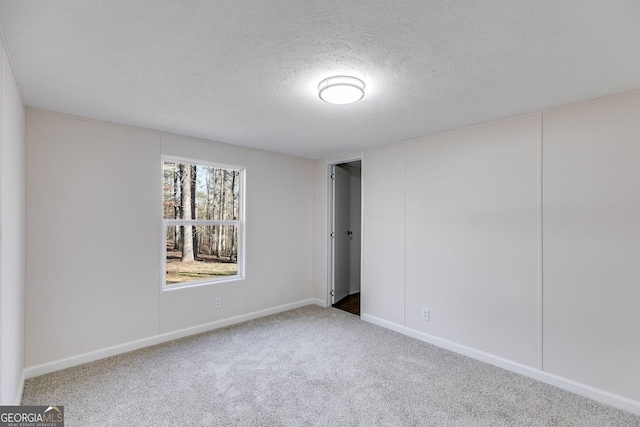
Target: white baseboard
column 563, row 383
column 319, row 302
column 56, row 365
column 599, row 395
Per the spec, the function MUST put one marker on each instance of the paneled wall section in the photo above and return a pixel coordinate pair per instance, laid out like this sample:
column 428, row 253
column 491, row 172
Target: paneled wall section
column 521, row 237
column 94, row 212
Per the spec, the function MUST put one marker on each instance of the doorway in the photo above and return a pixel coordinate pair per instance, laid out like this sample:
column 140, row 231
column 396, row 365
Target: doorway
column 345, row 235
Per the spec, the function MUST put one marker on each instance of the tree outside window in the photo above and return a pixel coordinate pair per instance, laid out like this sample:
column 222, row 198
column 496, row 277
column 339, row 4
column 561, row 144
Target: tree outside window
column 203, row 224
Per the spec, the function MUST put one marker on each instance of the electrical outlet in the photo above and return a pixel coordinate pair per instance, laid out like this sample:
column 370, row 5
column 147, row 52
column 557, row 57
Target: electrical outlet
column 425, row 314
column 218, row 302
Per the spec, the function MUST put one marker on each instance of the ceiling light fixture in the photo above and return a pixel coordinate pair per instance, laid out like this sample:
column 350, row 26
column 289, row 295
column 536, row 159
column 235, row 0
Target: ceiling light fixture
column 341, row 90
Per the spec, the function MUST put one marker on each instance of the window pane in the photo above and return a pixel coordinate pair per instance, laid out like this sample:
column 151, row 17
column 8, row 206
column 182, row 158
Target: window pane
column 200, row 192
column 210, row 253
column 171, row 191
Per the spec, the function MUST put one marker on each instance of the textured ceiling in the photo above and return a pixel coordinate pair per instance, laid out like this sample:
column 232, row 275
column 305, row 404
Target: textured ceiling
column 246, row 72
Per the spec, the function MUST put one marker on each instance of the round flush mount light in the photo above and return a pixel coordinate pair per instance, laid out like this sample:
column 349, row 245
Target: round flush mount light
column 341, row 90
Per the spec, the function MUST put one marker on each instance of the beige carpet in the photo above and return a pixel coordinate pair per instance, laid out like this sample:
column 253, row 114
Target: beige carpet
column 310, row 366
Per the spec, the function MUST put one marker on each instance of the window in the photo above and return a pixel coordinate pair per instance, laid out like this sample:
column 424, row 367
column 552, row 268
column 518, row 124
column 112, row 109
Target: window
column 203, row 223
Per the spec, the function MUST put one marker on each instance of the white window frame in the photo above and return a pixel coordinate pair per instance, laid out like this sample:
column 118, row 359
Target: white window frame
column 240, row 223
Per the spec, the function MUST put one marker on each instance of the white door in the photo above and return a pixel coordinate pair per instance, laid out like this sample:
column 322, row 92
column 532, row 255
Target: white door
column 341, row 233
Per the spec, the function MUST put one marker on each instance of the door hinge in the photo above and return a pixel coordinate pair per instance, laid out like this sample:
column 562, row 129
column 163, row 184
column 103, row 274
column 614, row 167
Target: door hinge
column 333, row 176
column 332, row 293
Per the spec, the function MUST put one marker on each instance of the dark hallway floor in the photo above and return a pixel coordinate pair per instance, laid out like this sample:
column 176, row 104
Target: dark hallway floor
column 350, row 303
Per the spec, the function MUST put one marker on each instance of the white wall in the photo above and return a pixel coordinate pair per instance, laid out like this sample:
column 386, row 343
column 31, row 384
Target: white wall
column 455, row 223
column 12, row 234
column 94, row 235
column 592, row 244
column 472, row 237
column 383, row 288
column 279, row 221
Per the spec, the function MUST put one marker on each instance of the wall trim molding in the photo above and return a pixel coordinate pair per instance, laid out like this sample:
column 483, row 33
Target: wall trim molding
column 68, row 362
column 18, row 399
column 590, row 392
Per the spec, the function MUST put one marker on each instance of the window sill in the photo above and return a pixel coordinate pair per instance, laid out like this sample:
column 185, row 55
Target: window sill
column 187, row 285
